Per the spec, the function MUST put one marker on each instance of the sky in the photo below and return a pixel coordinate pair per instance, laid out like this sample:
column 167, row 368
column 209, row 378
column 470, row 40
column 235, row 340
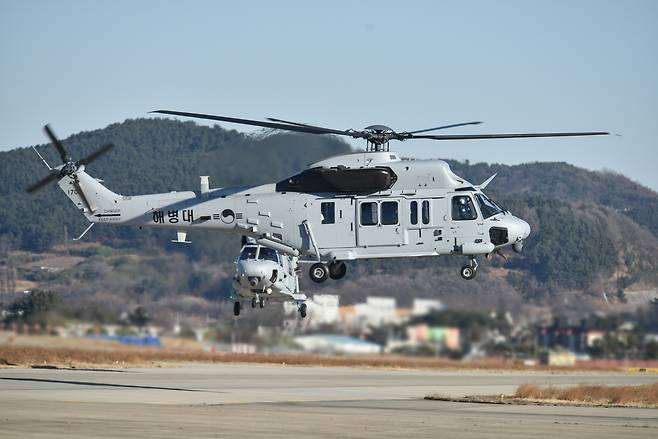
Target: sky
column 519, row 66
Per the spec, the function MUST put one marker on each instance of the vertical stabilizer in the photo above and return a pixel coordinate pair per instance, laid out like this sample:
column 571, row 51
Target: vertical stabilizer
column 89, row 195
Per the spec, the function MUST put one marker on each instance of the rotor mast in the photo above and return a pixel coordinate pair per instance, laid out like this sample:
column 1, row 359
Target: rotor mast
column 378, row 139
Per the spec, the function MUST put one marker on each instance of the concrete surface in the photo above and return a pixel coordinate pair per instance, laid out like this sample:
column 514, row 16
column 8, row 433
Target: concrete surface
column 234, row 400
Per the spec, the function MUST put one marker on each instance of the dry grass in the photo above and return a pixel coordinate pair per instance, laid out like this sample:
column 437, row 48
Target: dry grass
column 642, row 395
column 143, row 357
column 33, row 350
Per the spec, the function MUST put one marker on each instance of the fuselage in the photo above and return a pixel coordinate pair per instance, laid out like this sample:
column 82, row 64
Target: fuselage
column 355, row 206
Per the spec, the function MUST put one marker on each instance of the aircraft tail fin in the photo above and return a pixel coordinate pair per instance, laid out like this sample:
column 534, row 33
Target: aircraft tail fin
column 89, row 195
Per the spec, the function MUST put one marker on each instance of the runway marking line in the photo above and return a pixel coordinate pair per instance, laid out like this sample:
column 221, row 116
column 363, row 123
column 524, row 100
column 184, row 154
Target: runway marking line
column 299, row 401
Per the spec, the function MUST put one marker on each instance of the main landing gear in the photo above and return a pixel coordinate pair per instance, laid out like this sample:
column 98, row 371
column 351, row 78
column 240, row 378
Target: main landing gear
column 260, row 301
column 302, row 310
column 237, row 305
column 469, row 271
column 320, row 272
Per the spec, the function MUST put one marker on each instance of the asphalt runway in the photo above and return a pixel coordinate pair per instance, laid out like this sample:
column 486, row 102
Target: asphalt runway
column 277, row 401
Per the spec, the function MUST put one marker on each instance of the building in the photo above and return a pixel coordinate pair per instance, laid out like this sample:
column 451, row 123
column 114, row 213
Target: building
column 376, row 311
column 446, row 337
column 323, row 309
column 426, row 306
column 336, row 344
column 561, row 335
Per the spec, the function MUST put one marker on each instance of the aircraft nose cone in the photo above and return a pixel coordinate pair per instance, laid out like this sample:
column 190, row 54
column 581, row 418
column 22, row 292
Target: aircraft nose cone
column 253, row 271
column 518, row 229
column 526, row 229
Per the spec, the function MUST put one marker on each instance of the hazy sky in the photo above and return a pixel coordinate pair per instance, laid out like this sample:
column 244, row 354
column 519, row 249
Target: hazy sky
column 516, row 65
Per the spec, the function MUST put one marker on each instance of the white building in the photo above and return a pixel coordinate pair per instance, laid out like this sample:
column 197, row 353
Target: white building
column 337, row 344
column 376, row 311
column 426, row 306
column 323, row 309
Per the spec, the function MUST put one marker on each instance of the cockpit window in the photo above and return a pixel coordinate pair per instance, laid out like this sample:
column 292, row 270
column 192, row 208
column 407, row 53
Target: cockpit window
column 248, row 253
column 487, row 206
column 267, row 254
column 463, row 208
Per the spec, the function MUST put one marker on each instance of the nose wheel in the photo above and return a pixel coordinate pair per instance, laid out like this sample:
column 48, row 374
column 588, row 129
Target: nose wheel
column 469, row 271
column 302, row 310
column 236, row 308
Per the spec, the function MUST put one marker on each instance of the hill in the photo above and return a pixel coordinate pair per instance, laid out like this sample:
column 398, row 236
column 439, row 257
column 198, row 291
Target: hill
column 594, row 233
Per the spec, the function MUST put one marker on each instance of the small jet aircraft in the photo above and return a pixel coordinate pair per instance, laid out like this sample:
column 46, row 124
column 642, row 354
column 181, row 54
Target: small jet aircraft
column 264, row 275
column 370, row 204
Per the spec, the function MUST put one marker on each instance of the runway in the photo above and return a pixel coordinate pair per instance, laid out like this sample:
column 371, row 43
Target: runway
column 242, row 400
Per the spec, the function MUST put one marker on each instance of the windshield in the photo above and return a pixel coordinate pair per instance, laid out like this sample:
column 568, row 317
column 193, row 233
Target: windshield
column 487, row 206
column 268, row 254
column 248, row 253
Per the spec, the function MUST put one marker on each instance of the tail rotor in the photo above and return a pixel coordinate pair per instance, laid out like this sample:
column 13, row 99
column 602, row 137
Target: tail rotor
column 69, row 167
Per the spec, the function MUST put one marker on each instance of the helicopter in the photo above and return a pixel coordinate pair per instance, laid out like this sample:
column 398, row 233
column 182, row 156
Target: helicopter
column 363, row 205
column 264, row 275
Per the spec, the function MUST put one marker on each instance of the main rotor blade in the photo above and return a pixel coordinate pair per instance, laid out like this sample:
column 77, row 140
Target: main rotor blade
column 295, row 123
column 506, row 136
column 444, row 127
column 56, row 142
column 278, row 126
column 44, row 181
column 94, row 155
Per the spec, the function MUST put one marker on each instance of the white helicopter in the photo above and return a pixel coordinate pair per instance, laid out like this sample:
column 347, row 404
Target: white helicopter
column 370, row 204
column 264, row 275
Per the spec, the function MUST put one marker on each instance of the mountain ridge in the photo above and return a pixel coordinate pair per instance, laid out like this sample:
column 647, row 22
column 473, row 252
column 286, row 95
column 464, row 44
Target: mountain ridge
column 592, row 231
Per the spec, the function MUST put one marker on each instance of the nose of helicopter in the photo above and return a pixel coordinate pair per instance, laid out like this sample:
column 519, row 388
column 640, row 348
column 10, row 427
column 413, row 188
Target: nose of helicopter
column 252, row 268
column 518, row 229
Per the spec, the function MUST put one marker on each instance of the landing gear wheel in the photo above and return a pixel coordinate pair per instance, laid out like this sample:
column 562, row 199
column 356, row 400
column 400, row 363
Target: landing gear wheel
column 302, row 310
column 261, row 302
column 318, row 272
column 253, row 302
column 236, row 309
column 468, row 272
column 337, row 270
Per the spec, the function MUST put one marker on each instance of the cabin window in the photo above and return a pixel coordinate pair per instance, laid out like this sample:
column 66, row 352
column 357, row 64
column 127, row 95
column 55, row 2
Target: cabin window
column 369, row 214
column 267, row 254
column 413, row 208
column 248, row 253
column 426, row 212
column 389, row 213
column 463, row 209
column 328, row 211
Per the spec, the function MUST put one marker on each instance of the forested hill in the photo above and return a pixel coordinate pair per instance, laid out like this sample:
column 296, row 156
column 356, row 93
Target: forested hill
column 588, row 227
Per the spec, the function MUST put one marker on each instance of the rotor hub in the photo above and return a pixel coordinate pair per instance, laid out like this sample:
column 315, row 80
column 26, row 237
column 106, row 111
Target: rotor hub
column 378, row 136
